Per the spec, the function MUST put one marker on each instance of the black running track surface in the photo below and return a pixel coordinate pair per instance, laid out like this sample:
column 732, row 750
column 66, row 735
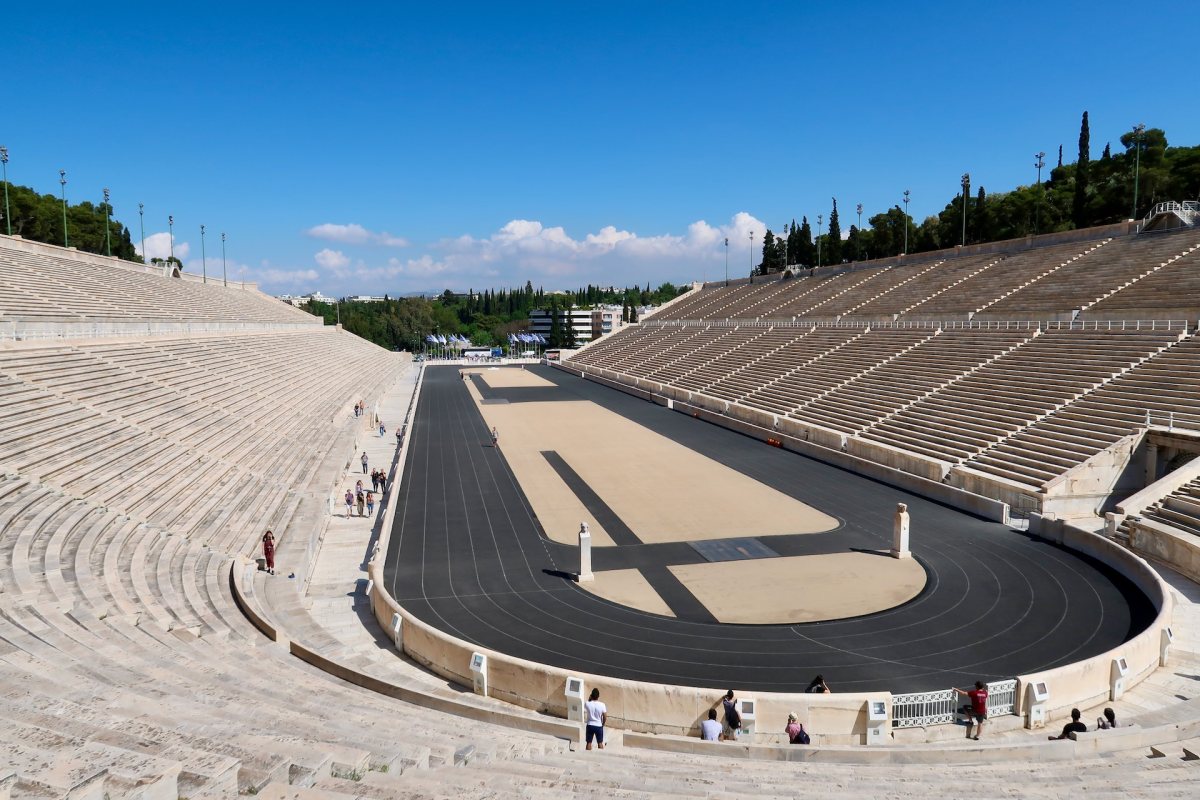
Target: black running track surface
column 468, row 556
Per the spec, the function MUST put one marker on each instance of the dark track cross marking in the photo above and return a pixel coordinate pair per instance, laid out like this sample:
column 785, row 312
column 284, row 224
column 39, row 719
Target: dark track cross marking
column 683, row 603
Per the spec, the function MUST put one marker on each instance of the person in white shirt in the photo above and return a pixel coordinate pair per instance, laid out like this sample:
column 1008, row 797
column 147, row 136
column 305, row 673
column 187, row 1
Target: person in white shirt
column 710, row 729
column 596, row 714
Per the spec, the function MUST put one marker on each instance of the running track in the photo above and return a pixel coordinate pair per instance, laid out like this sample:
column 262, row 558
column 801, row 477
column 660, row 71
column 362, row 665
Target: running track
column 468, row 556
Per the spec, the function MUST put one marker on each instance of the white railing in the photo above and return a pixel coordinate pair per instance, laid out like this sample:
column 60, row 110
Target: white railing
column 1170, row 420
column 981, row 325
column 921, row 709
column 941, row 707
column 1187, row 210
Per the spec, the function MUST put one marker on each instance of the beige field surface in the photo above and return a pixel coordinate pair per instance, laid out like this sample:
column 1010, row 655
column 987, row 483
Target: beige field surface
column 802, row 588
column 662, row 490
column 629, row 588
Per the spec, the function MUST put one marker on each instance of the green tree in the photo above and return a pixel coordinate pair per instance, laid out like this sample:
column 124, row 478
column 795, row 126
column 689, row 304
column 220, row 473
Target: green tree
column 833, row 244
column 1079, row 214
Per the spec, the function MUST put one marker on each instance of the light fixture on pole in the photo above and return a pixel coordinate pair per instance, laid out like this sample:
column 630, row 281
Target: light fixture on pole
column 203, row 258
column 1138, row 130
column 906, row 219
column 820, row 228
column 859, row 253
column 785, row 247
column 62, row 180
column 224, row 279
column 966, row 187
column 142, row 227
column 4, row 166
column 107, row 215
column 171, row 237
column 726, row 260
column 1037, row 214
column 752, row 255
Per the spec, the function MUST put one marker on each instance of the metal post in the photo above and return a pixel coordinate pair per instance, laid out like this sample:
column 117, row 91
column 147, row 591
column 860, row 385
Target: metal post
column 203, row 258
column 142, row 226
column 726, row 260
column 906, row 198
column 224, row 279
column 859, row 253
column 4, row 167
column 171, row 236
column 751, row 255
column 1138, row 130
column 966, row 187
column 62, row 180
column 785, row 246
column 820, row 228
column 1037, row 214
column 107, row 225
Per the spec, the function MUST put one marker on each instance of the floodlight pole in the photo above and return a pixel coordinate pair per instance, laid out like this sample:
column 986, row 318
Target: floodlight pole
column 820, row 228
column 203, row 258
column 1037, row 214
column 4, row 167
column 171, row 236
column 785, row 246
column 1138, row 130
column 966, row 187
column 726, row 260
column 860, row 229
column 224, row 279
column 107, row 226
column 142, row 226
column 62, row 180
column 906, row 219
column 752, row 255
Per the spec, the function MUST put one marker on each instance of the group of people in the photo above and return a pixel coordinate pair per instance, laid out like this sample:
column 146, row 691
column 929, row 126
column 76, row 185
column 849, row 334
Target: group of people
column 712, row 730
column 363, row 500
column 1107, row 721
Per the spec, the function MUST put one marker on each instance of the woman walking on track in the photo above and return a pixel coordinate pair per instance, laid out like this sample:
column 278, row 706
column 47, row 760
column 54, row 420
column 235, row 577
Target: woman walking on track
column 495, row 437
column 268, row 541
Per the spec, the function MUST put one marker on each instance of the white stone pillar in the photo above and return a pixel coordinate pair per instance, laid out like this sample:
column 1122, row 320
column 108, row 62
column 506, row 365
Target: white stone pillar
column 585, row 553
column 900, row 533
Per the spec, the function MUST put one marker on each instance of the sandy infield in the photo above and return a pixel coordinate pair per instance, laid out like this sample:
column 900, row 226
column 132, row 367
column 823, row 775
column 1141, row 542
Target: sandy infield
column 802, row 588
column 628, row 588
column 662, row 490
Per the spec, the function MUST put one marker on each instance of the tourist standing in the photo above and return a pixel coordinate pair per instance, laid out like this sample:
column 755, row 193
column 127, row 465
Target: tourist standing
column 977, row 711
column 733, row 719
column 597, row 716
column 349, row 503
column 268, row 541
column 364, row 462
column 361, row 498
column 370, row 504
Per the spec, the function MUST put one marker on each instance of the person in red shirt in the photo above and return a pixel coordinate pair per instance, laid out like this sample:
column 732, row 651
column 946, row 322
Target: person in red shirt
column 977, row 711
column 268, row 541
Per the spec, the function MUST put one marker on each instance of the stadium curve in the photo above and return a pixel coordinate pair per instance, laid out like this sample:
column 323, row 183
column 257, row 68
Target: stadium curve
column 468, row 556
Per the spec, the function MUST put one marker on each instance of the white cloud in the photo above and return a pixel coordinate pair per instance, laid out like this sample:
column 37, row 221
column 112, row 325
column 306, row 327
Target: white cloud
column 334, row 260
column 355, row 234
column 158, row 245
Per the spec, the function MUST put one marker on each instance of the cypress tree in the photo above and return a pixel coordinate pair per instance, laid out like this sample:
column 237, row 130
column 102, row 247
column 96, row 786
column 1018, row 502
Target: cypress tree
column 982, row 223
column 1107, row 154
column 833, row 245
column 806, row 254
column 1060, row 156
column 1079, row 205
column 768, row 253
column 633, row 317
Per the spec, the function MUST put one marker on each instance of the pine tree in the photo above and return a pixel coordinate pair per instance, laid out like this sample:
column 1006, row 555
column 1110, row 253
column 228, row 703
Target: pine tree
column 1079, row 214
column 768, row 253
column 806, row 253
column 556, row 332
column 833, row 244
column 980, row 218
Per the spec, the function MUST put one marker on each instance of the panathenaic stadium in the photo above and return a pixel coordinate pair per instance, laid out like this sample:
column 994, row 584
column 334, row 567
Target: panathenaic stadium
column 905, row 475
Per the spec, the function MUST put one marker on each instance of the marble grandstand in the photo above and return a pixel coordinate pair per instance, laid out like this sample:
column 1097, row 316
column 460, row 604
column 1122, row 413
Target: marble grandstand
column 152, row 427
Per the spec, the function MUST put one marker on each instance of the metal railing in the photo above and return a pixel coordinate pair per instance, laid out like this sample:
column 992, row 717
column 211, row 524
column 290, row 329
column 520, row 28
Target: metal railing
column 980, row 325
column 1170, row 420
column 941, row 707
column 1187, row 210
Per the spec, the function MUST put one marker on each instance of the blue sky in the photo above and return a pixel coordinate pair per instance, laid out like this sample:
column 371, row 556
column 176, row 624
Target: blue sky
column 403, row 147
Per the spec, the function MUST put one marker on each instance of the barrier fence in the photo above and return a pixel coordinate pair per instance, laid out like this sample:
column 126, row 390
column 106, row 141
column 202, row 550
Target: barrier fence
column 922, row 709
column 983, row 325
